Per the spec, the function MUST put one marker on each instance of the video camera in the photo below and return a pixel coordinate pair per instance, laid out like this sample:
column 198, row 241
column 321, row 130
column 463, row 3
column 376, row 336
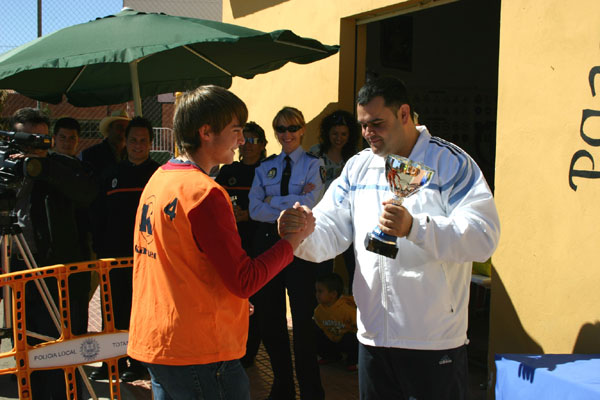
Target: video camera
column 14, row 168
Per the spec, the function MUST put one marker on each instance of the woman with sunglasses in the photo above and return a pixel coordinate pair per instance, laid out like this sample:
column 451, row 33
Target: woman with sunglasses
column 338, row 139
column 280, row 181
column 237, row 179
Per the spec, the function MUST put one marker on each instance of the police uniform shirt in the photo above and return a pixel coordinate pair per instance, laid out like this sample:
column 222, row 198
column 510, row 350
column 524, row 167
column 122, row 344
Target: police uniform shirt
column 237, row 179
column 306, row 168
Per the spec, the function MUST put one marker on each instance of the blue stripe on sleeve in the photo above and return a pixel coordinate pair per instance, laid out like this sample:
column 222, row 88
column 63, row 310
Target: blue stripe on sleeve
column 468, row 185
column 465, row 178
column 369, row 187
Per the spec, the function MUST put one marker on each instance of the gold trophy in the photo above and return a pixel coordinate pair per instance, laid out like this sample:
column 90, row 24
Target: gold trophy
column 405, row 178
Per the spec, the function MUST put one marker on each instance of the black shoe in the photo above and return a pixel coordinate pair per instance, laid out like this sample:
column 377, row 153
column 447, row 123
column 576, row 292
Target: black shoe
column 132, row 374
column 129, row 376
column 100, row 373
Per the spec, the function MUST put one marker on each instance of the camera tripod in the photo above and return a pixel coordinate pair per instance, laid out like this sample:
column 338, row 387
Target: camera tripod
column 11, row 233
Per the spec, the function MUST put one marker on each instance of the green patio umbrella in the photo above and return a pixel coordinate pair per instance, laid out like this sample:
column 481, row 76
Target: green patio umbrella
column 134, row 55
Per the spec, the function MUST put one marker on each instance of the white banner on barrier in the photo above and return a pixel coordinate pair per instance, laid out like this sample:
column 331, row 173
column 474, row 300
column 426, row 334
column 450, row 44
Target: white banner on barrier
column 81, row 350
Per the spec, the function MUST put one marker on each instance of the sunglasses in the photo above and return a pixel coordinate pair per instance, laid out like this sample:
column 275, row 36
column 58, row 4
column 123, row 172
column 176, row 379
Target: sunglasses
column 252, row 140
column 291, row 128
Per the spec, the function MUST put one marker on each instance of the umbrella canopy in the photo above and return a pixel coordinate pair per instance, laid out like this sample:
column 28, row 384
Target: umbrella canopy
column 134, row 54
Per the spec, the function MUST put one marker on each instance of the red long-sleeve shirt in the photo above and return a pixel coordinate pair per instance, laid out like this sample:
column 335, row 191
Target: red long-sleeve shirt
column 191, row 276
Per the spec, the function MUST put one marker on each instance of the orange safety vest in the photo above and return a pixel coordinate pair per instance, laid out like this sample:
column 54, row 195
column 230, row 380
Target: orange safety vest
column 182, row 313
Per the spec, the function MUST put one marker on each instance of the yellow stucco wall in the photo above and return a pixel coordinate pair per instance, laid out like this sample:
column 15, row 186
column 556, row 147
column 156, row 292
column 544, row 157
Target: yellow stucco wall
column 313, row 88
column 545, row 295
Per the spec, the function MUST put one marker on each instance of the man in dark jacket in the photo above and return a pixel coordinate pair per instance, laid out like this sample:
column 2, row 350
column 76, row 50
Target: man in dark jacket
column 45, row 209
column 66, row 134
column 111, row 150
column 120, row 193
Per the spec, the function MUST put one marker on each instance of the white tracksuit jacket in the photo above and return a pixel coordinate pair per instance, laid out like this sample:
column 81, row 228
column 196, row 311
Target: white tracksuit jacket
column 418, row 300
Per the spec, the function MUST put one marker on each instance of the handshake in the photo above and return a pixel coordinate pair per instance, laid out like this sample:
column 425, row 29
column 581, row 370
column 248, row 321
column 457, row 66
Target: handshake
column 296, row 224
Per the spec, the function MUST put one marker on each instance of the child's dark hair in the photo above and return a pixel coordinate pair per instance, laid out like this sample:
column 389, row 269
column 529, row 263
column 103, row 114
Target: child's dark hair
column 333, row 282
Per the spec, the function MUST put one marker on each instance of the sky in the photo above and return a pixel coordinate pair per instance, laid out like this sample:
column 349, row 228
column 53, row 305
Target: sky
column 18, row 20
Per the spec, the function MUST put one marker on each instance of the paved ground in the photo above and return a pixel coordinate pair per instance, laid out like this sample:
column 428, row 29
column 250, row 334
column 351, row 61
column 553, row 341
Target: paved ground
column 338, row 383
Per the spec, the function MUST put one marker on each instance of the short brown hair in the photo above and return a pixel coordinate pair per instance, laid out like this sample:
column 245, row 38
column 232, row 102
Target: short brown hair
column 29, row 115
column 207, row 105
column 140, row 122
column 67, row 123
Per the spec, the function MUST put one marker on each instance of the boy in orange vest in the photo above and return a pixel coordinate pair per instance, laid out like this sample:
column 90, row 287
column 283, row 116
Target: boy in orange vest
column 191, row 277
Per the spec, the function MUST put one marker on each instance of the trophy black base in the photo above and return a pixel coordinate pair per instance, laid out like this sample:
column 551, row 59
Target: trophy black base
column 373, row 244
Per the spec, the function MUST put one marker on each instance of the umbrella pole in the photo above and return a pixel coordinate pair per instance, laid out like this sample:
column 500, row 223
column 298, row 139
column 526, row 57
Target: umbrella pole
column 135, row 88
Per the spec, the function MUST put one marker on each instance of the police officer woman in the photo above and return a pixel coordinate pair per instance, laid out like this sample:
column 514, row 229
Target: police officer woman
column 279, row 181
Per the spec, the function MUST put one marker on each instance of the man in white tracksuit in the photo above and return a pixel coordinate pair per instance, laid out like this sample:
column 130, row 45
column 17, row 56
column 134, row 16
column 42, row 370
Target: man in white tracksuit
column 412, row 310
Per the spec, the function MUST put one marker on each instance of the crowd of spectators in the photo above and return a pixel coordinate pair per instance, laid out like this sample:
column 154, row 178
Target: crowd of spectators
column 79, row 209
column 208, row 237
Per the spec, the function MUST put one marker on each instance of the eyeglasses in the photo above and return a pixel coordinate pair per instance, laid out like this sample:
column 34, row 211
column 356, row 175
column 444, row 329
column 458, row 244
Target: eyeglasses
column 291, row 128
column 252, row 140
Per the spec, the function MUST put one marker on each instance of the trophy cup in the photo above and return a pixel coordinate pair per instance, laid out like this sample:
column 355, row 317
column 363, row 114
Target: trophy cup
column 405, row 178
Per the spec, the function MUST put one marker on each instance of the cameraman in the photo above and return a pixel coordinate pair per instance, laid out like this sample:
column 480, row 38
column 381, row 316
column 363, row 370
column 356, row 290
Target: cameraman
column 46, row 211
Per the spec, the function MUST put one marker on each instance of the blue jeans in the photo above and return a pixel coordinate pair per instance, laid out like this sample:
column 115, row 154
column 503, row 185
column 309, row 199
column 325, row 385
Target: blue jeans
column 224, row 380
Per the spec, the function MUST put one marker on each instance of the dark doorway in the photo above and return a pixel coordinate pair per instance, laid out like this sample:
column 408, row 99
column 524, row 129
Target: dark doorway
column 448, row 58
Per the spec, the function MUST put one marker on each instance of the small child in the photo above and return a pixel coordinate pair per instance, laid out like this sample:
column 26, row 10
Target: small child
column 335, row 317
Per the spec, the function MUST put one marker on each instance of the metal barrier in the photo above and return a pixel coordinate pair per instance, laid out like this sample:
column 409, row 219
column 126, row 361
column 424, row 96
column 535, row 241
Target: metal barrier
column 66, row 352
column 163, row 140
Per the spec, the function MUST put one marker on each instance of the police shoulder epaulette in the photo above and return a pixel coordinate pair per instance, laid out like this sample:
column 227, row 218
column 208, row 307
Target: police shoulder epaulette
column 311, row 155
column 272, row 156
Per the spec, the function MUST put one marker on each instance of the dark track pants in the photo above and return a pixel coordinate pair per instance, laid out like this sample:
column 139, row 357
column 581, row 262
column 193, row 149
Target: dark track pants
column 392, row 373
